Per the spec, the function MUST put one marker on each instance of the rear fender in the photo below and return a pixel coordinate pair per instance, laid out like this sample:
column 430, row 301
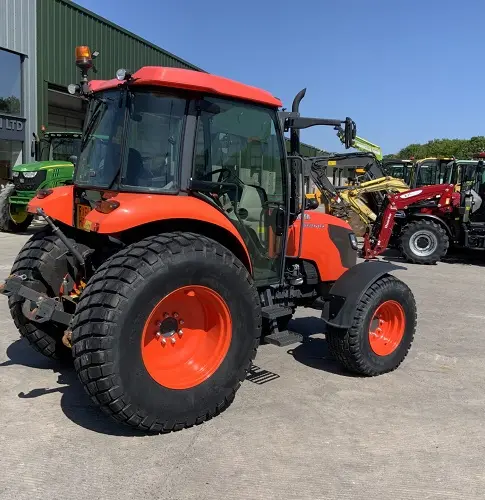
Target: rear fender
column 349, row 289
column 58, row 205
column 136, row 211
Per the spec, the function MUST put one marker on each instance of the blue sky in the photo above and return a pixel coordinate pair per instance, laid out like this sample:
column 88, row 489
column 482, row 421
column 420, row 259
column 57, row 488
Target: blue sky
column 405, row 71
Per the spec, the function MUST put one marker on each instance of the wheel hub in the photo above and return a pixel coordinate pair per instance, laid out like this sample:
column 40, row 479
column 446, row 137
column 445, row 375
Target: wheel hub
column 423, row 243
column 169, row 327
column 386, row 328
column 186, row 337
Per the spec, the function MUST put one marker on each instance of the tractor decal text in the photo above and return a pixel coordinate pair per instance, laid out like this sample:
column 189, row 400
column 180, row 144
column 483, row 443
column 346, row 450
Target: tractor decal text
column 306, row 217
column 388, row 221
column 411, row 194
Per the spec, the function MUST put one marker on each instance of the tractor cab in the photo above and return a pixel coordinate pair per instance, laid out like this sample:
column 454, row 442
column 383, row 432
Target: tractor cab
column 398, row 168
column 56, row 146
column 428, row 171
column 472, row 191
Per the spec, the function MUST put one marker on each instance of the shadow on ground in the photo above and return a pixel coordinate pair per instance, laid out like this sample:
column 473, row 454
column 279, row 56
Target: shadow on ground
column 313, row 351
column 463, row 256
column 77, row 407
column 75, row 403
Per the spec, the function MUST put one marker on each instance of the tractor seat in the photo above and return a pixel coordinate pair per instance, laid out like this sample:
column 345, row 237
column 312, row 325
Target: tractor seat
column 136, row 173
column 250, row 207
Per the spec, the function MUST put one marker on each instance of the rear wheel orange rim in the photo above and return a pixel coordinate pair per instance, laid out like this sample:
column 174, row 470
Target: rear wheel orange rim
column 186, row 337
column 386, row 329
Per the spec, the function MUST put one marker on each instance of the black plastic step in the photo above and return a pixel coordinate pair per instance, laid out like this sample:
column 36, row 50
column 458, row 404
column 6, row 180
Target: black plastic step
column 273, row 312
column 283, row 338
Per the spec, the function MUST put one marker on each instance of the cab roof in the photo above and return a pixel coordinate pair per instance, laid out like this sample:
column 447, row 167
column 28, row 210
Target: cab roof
column 192, row 80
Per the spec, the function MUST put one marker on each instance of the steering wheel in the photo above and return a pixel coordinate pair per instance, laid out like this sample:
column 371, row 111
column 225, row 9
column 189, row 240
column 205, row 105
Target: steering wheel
column 222, row 178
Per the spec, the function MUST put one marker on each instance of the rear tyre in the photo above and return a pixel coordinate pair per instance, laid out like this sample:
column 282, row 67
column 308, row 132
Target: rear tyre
column 424, row 242
column 382, row 330
column 12, row 221
column 165, row 332
column 41, row 261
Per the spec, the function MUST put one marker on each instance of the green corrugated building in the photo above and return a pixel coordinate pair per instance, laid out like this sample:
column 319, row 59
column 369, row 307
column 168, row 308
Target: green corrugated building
column 37, row 69
column 61, row 26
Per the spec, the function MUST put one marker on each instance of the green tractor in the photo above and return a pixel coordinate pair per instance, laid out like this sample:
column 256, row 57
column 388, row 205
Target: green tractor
column 54, row 153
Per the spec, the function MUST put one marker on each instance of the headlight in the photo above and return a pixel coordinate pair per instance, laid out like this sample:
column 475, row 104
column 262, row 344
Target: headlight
column 353, row 241
column 15, row 174
column 29, row 175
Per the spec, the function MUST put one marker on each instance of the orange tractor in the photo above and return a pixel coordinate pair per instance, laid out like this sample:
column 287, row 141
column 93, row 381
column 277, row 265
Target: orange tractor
column 183, row 241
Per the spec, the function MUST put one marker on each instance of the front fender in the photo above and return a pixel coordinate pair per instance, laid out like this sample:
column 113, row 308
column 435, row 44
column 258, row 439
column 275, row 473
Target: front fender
column 435, row 218
column 348, row 290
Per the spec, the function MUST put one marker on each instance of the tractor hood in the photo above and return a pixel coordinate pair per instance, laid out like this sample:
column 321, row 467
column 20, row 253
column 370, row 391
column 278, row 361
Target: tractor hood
column 40, row 165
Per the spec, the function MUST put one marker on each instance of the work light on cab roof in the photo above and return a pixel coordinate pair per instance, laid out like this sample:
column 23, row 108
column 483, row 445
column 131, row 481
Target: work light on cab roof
column 84, row 61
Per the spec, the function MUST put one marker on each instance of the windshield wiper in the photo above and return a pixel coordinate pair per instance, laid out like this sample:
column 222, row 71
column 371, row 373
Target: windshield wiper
column 92, row 121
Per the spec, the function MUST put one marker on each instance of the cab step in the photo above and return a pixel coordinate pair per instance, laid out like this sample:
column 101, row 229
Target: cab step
column 275, row 311
column 283, row 338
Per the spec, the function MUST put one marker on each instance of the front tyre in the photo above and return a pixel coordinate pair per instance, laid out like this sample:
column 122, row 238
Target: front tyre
column 382, row 330
column 12, row 219
column 44, row 261
column 423, row 242
column 165, row 332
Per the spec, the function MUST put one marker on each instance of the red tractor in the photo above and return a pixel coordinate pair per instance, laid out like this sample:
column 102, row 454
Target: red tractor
column 183, row 241
column 425, row 221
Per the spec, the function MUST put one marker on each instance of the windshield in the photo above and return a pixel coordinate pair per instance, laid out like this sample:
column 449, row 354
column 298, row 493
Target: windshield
column 62, row 148
column 132, row 140
column 59, row 148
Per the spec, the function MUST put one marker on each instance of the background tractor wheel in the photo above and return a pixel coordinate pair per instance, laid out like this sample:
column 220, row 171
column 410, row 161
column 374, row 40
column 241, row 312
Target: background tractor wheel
column 382, row 331
column 423, row 242
column 13, row 221
column 165, row 332
column 41, row 262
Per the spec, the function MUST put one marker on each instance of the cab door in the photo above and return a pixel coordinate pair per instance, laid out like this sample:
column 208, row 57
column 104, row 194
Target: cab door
column 241, row 159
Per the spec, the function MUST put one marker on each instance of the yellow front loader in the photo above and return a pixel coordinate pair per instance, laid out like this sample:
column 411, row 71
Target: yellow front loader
column 359, row 203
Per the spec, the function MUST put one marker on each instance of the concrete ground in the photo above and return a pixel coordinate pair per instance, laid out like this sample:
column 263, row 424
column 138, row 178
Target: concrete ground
column 310, row 432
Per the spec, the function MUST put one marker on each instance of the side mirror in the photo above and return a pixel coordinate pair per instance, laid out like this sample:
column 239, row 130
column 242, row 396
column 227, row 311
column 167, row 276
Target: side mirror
column 350, row 132
column 34, row 147
column 311, row 203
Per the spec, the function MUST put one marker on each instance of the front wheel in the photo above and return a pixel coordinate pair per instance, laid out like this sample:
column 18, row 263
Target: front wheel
column 382, row 330
column 44, row 261
column 165, row 332
column 423, row 242
column 13, row 219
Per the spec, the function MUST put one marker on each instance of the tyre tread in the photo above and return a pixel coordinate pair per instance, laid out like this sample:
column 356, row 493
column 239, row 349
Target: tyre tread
column 413, row 226
column 345, row 347
column 115, row 277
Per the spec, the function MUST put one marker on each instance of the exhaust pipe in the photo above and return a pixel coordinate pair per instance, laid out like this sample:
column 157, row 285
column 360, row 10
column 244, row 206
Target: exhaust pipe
column 295, row 134
column 295, row 107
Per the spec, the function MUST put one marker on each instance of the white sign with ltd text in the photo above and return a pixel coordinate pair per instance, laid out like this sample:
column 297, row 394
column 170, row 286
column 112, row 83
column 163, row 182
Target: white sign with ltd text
column 11, row 124
column 12, row 129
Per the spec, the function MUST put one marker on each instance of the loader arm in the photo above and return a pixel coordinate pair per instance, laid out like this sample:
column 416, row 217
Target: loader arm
column 327, row 193
column 354, row 196
column 361, row 144
column 437, row 195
